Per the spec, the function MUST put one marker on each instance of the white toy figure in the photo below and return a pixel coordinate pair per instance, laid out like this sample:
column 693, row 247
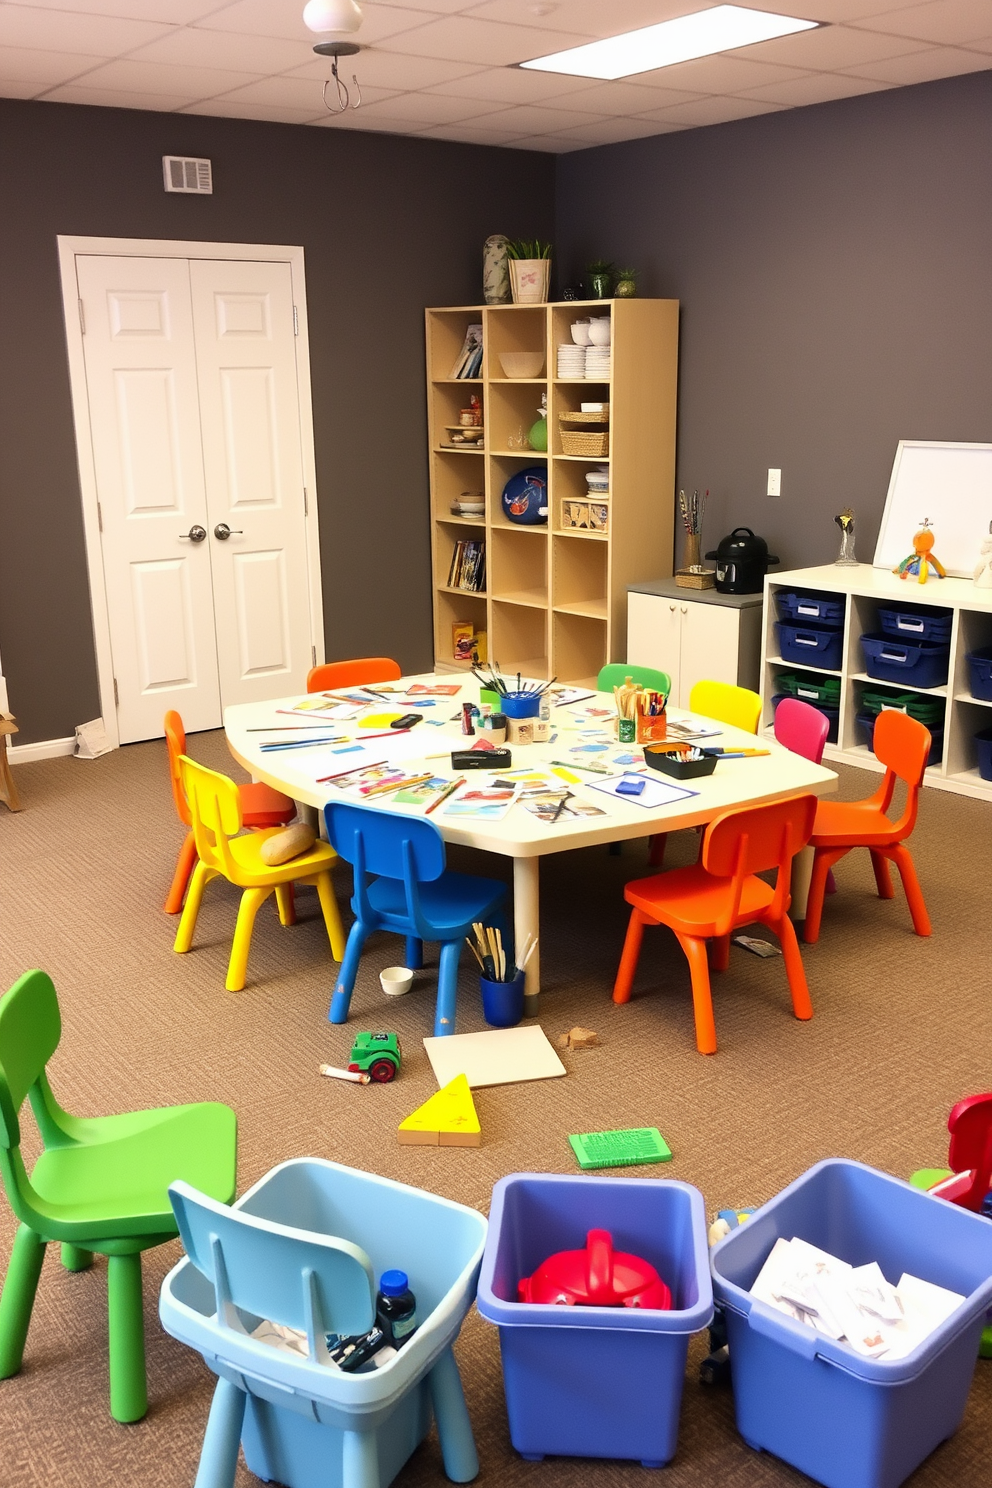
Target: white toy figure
column 983, row 568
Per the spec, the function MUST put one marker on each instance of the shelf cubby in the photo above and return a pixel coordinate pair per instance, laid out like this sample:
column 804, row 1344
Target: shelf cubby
column 457, row 607
column 519, row 568
column 519, row 638
column 580, row 574
column 579, row 647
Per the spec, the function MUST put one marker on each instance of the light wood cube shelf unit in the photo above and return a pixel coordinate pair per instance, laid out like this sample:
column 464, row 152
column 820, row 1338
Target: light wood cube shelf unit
column 556, row 597
column 864, row 590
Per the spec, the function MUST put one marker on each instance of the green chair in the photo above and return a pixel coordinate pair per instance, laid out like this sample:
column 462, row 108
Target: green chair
column 101, row 1184
column 615, row 674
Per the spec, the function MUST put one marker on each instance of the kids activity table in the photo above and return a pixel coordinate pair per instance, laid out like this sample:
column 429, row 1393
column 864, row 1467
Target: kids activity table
column 520, row 835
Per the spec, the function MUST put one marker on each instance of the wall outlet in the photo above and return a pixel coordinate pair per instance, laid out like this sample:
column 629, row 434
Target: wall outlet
column 774, row 482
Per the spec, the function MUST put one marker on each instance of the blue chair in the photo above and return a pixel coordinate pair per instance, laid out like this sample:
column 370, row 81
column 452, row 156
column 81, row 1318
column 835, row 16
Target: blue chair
column 302, row 1249
column 412, row 895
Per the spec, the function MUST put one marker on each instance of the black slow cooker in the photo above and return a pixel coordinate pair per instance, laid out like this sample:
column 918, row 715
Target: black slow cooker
column 742, row 560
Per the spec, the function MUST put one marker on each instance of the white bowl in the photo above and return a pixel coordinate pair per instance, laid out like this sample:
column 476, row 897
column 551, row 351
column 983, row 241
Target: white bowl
column 599, row 331
column 580, row 332
column 396, row 980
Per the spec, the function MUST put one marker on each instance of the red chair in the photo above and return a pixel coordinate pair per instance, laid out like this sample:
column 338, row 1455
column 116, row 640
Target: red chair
column 720, row 894
column 333, row 675
column 903, row 746
column 803, row 730
column 969, row 1176
column 261, row 806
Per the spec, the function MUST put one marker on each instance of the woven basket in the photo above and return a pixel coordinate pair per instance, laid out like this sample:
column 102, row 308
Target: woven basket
column 579, row 442
column 688, row 578
column 602, row 417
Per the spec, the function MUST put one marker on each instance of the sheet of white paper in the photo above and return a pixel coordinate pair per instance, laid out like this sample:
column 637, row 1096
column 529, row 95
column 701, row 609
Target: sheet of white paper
column 502, row 1056
column 656, row 792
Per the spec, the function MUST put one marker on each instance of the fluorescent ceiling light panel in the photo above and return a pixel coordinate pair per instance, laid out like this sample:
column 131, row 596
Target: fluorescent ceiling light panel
column 720, row 29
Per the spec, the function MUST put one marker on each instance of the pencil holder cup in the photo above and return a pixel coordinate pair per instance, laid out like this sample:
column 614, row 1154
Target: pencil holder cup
column 503, row 1002
column 521, row 705
column 521, row 730
column 627, row 730
column 493, row 728
column 493, row 699
column 651, row 729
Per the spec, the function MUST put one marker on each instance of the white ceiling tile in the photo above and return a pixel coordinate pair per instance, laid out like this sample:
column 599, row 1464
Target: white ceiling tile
column 831, row 12
column 431, row 108
column 549, row 144
column 390, row 70
column 471, row 133
column 169, row 12
column 192, row 83
column 816, row 87
column 725, row 73
column 535, row 120
column 624, row 98
column 981, row 44
column 512, row 85
column 592, row 17
column 613, row 131
column 64, row 31
column 463, row 39
column 943, row 21
column 830, row 49
column 10, row 89
column 194, row 47
column 446, row 7
column 29, row 65
column 221, row 108
column 923, row 67
column 292, row 93
column 115, row 98
column 285, row 18
column 364, row 121
column 715, row 111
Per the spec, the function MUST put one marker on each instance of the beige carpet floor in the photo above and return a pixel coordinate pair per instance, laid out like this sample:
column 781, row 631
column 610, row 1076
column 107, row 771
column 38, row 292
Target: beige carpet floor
column 901, row 1030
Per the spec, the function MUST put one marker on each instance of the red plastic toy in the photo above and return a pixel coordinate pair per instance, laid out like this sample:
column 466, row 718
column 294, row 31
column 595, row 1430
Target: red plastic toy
column 598, row 1276
column 969, row 1154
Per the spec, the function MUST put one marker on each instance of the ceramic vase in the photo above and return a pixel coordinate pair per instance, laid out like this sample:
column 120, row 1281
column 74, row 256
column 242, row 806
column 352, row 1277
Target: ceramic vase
column 626, row 289
column 495, row 270
column 600, row 286
column 529, row 280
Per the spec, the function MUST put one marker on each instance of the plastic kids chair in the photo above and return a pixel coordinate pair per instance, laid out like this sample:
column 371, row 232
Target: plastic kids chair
column 720, row 894
column 903, row 746
column 99, row 1185
column 332, row 675
column 261, row 806
column 968, row 1179
column 737, row 706
column 302, row 1249
column 216, row 811
column 803, row 729
column 413, row 894
column 615, row 674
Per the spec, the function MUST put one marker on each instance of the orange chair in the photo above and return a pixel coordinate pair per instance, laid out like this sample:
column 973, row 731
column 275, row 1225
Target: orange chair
column 336, row 674
column 720, row 894
column 261, row 806
column 903, row 746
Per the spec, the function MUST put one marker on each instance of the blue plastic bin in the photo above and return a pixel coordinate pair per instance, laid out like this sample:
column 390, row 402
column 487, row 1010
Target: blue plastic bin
column 919, row 664
column 832, row 715
column 866, row 728
column 825, row 609
column 305, row 1423
column 983, row 748
column 847, row 1421
column 980, row 667
column 810, row 645
column 595, row 1381
column 916, row 622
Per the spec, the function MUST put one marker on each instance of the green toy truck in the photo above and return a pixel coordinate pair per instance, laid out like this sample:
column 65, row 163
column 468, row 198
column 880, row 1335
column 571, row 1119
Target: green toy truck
column 377, row 1055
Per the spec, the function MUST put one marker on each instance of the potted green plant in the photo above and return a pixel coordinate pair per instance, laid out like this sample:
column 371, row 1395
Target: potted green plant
column 530, row 270
column 626, row 285
column 600, row 278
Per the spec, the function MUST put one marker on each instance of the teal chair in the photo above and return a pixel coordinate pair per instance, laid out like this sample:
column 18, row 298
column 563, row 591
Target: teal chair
column 101, row 1184
column 615, row 674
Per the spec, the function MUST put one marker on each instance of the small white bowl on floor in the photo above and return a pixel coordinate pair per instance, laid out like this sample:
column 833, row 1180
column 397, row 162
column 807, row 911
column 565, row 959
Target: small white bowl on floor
column 396, row 980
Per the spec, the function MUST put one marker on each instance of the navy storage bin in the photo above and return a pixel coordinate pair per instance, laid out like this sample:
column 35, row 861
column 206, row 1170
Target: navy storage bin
column 866, row 728
column 832, row 715
column 983, row 747
column 810, row 645
column 910, row 663
column 824, row 609
column 595, row 1381
column 916, row 622
column 847, row 1421
column 980, row 666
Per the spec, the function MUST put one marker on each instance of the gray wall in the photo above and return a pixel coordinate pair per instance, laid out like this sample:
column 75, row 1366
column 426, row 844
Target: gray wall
column 834, row 266
column 389, row 225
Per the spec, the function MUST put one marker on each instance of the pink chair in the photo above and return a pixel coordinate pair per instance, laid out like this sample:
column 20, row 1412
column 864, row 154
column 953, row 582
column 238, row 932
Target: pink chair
column 803, row 730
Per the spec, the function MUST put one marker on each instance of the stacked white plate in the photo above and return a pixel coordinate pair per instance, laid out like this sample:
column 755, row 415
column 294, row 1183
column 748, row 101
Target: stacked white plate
column 572, row 359
column 597, row 363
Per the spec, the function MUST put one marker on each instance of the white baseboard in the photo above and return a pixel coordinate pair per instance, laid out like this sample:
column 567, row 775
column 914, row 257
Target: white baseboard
column 23, row 754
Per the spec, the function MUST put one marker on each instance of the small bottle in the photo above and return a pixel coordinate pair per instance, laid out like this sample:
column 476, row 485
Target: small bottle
column 542, row 724
column 396, row 1307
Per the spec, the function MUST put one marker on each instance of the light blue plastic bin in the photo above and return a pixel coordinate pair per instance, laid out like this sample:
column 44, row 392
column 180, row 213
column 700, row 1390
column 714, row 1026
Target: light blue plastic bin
column 310, row 1426
column 595, row 1381
column 847, row 1421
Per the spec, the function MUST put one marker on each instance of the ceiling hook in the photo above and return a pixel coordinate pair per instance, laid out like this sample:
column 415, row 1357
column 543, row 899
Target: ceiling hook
column 334, row 50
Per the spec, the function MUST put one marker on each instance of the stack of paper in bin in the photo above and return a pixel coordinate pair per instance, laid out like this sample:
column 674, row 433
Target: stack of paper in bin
column 853, row 1304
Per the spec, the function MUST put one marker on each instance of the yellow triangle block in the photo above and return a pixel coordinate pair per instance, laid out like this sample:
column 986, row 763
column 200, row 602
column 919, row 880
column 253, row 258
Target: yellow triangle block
column 448, row 1119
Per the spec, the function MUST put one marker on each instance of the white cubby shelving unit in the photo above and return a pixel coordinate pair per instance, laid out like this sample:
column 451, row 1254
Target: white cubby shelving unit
column 865, row 589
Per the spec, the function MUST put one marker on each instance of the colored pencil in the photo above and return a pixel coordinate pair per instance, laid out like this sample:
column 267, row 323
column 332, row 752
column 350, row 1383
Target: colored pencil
column 445, row 794
column 355, row 770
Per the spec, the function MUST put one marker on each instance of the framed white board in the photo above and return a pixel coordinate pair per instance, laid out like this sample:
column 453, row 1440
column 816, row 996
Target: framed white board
column 951, row 484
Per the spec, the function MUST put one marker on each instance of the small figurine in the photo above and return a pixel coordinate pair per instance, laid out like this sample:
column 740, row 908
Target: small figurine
column 845, row 521
column 983, row 568
column 921, row 561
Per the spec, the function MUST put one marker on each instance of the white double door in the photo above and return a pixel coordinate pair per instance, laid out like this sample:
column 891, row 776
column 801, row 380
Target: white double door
column 194, row 418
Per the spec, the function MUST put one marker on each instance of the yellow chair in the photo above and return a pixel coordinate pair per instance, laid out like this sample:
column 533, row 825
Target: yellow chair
column 738, row 707
column 215, row 808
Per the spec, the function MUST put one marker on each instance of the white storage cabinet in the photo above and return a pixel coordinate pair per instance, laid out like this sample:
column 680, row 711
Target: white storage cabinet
column 694, row 635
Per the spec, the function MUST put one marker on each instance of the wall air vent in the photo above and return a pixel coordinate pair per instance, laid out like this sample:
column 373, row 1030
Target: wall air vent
column 187, row 174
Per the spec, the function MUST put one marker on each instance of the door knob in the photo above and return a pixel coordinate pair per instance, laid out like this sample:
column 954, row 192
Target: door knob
column 224, row 532
column 195, row 534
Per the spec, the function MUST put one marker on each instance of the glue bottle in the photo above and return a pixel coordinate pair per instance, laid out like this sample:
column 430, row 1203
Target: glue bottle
column 396, row 1307
column 542, row 723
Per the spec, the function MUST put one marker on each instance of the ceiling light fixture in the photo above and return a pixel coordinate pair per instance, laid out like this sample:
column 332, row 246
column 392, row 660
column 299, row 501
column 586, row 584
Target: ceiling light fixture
column 720, row 29
column 327, row 17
